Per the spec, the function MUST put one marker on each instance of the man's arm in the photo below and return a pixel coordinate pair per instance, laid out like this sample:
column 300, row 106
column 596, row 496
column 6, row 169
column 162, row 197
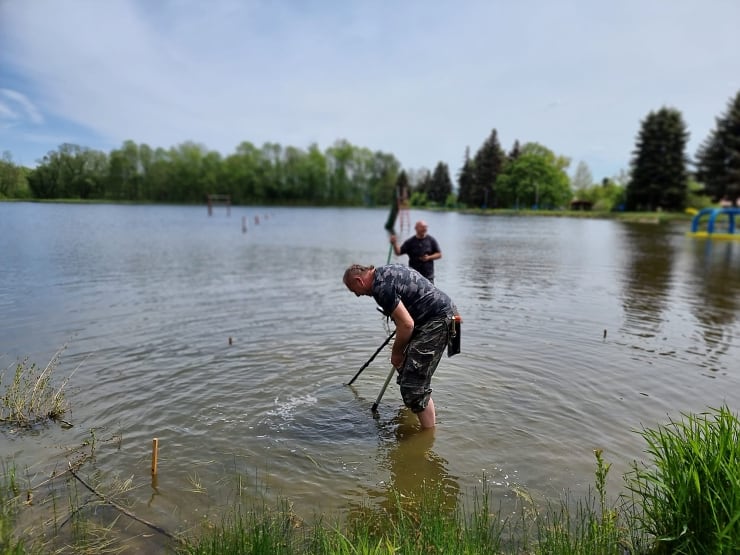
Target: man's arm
column 404, row 329
column 436, row 253
column 394, row 242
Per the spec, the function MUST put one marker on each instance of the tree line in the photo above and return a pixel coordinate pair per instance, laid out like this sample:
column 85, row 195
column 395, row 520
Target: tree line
column 527, row 176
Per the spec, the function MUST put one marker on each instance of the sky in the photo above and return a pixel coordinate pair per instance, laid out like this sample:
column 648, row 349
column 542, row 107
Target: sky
column 420, row 79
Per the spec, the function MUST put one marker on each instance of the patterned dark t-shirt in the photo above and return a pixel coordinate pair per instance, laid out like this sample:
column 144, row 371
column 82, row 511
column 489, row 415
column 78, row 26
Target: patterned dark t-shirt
column 416, row 248
column 396, row 282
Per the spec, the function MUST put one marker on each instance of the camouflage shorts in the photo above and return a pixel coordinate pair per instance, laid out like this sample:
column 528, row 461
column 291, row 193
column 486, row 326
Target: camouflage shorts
column 423, row 354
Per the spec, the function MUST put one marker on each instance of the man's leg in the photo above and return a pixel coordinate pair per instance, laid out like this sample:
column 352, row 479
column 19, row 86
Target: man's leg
column 422, row 357
column 427, row 417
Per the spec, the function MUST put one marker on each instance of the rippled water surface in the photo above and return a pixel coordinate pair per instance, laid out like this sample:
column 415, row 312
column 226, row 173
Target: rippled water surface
column 233, row 349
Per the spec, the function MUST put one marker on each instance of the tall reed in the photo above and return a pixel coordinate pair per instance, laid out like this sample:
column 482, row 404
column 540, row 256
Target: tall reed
column 9, row 492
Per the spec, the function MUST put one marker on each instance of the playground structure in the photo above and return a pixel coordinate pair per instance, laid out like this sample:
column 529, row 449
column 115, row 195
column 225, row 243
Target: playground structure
column 717, row 226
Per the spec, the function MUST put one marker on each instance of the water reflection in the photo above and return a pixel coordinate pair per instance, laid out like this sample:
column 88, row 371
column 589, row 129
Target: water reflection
column 716, row 271
column 417, row 475
column 648, row 267
column 715, row 268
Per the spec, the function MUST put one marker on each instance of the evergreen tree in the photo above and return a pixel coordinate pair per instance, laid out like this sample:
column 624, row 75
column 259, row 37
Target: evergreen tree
column 424, row 185
column 659, row 175
column 515, row 151
column 718, row 158
column 440, row 185
column 489, row 161
column 466, row 180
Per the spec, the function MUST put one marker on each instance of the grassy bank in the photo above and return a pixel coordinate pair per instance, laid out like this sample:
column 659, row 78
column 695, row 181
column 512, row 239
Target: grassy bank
column 632, row 217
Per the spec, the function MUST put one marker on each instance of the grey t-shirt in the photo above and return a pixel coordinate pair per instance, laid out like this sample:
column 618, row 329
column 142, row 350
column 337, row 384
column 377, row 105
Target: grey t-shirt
column 396, row 282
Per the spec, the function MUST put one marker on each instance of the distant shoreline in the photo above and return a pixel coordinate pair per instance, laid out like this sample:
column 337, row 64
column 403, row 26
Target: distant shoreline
column 634, row 217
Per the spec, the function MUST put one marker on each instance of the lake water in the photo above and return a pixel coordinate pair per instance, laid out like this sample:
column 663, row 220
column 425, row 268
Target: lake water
column 233, row 349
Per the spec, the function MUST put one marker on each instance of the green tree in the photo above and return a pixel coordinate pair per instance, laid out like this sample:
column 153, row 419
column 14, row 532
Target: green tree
column 718, row 158
column 605, row 197
column 69, row 172
column 124, row 176
column 384, row 172
column 339, row 159
column 536, row 178
column 466, row 180
column 515, row 151
column 243, row 174
column 419, row 195
column 12, row 177
column 305, row 174
column 146, row 161
column 186, row 173
column 489, row 161
column 440, row 184
column 659, row 175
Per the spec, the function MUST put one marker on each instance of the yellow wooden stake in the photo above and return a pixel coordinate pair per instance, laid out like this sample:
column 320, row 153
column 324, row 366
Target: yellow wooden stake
column 155, row 449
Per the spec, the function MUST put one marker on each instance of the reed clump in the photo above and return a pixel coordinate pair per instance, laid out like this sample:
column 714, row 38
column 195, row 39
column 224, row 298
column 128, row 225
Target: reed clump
column 29, row 396
column 689, row 497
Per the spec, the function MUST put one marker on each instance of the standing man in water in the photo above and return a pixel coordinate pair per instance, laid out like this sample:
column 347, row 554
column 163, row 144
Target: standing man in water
column 422, row 249
column 424, row 318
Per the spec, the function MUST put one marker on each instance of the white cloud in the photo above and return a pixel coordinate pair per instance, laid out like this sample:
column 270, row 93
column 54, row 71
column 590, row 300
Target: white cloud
column 17, row 106
column 419, row 79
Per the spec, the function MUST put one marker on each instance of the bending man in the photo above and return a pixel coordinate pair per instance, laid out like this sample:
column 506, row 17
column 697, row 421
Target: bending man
column 423, row 316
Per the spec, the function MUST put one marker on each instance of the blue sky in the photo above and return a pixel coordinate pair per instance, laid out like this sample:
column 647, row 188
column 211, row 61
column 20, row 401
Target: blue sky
column 421, row 79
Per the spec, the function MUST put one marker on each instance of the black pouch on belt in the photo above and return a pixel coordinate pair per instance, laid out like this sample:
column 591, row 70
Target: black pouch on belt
column 453, row 340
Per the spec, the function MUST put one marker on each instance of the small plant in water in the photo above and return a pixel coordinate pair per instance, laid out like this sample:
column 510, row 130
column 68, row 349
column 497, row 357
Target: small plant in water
column 30, row 397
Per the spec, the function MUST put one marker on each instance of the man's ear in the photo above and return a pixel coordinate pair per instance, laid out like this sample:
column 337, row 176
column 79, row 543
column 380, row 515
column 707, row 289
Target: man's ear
column 357, row 280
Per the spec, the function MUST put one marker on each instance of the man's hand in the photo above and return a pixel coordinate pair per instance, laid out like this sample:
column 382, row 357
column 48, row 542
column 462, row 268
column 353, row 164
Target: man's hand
column 393, row 239
column 404, row 329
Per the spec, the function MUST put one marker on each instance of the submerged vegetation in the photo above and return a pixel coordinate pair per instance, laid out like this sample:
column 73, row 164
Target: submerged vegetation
column 685, row 500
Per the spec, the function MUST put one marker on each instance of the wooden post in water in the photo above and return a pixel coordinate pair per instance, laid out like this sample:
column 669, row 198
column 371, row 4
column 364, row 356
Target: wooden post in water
column 155, row 450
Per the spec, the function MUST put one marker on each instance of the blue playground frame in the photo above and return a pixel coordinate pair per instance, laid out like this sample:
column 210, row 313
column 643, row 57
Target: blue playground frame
column 711, row 232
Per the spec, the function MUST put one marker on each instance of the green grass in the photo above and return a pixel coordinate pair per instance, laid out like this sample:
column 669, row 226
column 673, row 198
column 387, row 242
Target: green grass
column 690, row 494
column 633, row 217
column 424, row 525
column 9, row 506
